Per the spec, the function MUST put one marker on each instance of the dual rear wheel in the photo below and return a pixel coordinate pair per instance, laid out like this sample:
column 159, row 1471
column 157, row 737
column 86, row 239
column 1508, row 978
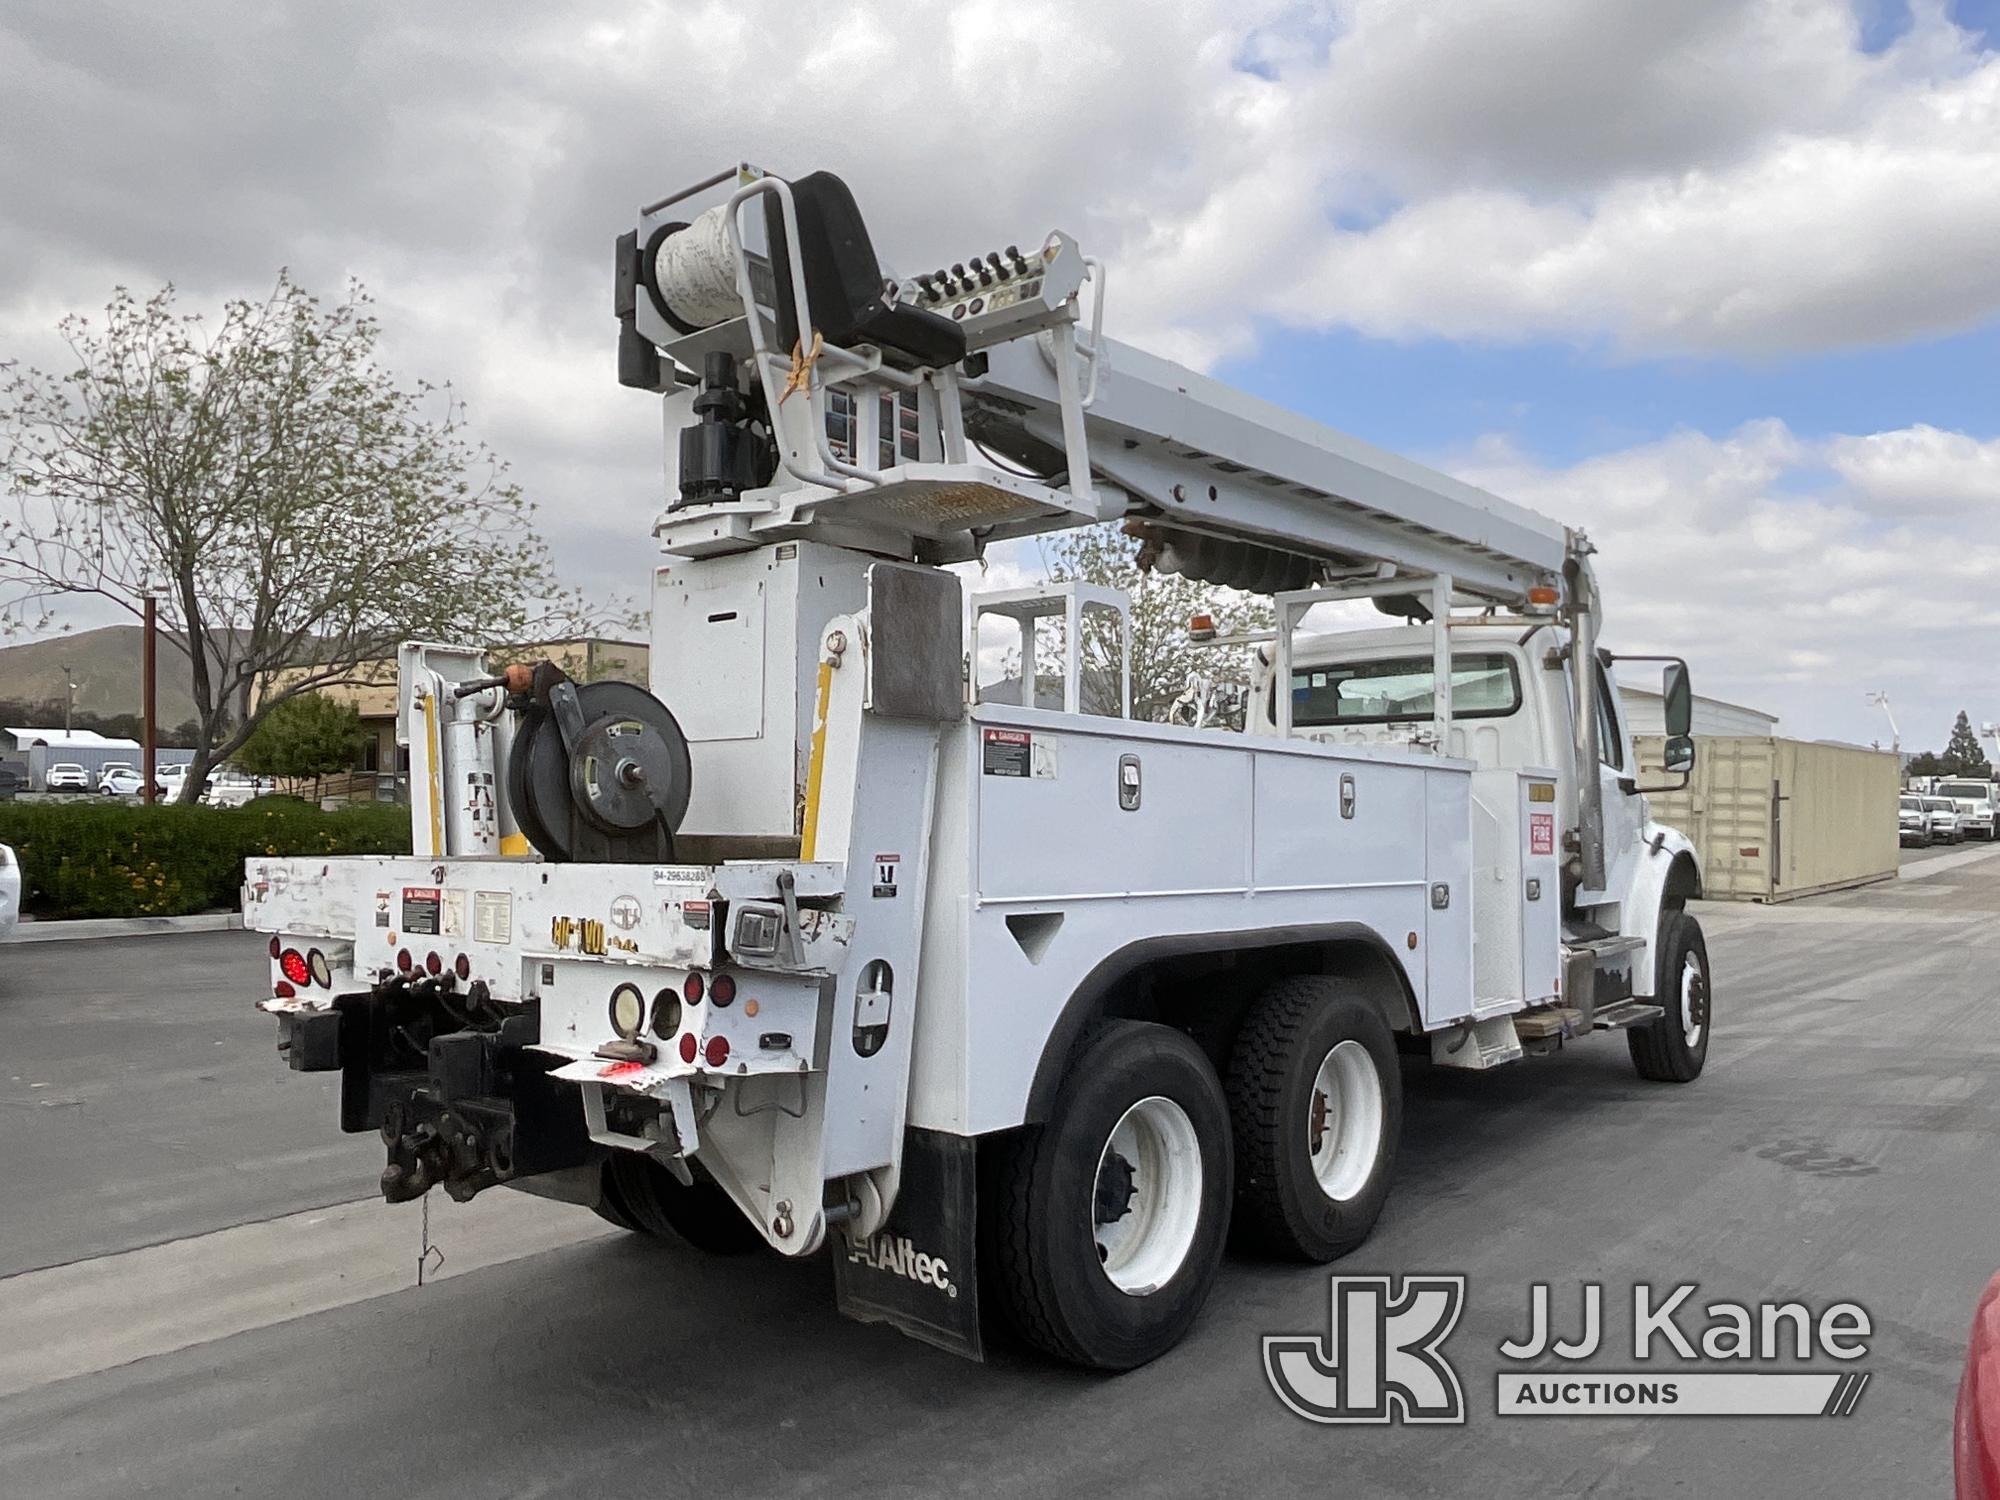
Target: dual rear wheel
column 1103, row 1227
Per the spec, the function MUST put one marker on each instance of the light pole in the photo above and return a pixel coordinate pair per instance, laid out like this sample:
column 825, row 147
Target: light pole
column 150, row 707
column 69, row 700
column 1895, row 734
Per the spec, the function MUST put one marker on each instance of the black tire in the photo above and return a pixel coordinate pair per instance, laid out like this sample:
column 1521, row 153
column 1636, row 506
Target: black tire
column 1661, row 1051
column 642, row 1195
column 1281, row 1204
column 1040, row 1226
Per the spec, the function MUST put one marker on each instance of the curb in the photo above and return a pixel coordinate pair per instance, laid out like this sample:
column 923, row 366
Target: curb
column 118, row 927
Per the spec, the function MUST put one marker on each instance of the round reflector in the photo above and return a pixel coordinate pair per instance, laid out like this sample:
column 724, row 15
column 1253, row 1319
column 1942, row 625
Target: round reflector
column 276, row 947
column 666, row 1014
column 433, row 963
column 628, row 1011
column 718, row 1051
column 322, row 971
column 722, row 989
column 283, row 991
column 404, row 962
column 691, row 987
column 462, row 966
column 689, row 1046
column 292, row 964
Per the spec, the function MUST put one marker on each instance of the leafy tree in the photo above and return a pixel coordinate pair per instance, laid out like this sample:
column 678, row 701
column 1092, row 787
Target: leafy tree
column 306, row 737
column 1962, row 755
column 1164, row 659
column 1924, row 763
column 296, row 510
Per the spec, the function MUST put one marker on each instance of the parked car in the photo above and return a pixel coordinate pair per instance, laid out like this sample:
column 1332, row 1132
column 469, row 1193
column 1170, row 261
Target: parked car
column 168, row 780
column 112, row 769
column 67, row 776
column 13, row 779
column 120, row 781
column 1975, row 801
column 1975, row 1448
column 1946, row 825
column 228, row 788
column 10, row 890
column 1913, row 823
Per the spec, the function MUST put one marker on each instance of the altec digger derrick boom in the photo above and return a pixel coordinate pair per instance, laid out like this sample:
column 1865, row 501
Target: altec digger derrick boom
column 826, row 937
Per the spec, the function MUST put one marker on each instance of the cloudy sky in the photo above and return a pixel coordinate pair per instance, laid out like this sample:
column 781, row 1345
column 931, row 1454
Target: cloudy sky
column 1718, row 279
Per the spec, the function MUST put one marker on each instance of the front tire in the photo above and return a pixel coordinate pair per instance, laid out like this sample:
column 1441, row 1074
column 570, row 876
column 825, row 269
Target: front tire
column 1104, row 1227
column 1674, row 1048
column 1316, row 1110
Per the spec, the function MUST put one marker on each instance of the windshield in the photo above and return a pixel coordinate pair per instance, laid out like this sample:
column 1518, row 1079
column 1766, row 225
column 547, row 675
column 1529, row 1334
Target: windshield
column 1913, row 804
column 1979, row 791
column 1484, row 685
column 1939, row 804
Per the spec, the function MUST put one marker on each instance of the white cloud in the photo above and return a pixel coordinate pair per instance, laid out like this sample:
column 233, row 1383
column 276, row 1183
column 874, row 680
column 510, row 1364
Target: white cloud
column 1795, row 576
column 1732, row 176
column 1921, row 472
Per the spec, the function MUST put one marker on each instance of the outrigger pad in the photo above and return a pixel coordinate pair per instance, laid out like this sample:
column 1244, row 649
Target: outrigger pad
column 920, row 1274
column 915, row 624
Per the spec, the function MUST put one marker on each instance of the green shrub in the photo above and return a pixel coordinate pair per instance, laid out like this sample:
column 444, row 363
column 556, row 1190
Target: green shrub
column 118, row 860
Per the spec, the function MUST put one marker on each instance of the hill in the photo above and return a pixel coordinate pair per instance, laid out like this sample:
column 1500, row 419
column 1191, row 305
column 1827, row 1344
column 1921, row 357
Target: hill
column 105, row 665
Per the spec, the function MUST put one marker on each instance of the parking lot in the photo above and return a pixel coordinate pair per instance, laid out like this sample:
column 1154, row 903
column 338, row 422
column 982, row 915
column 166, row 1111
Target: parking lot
column 199, row 1296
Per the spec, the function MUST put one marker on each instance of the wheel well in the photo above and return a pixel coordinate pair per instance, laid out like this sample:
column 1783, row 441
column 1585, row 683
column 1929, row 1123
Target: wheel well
column 1683, row 883
column 1203, row 986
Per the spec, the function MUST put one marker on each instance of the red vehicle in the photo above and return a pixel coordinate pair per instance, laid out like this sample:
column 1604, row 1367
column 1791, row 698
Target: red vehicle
column 1975, row 1446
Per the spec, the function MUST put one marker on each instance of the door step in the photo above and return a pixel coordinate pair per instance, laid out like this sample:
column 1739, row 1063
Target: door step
column 1622, row 1014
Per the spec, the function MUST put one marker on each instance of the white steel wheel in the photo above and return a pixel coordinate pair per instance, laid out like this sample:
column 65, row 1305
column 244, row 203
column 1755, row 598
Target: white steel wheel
column 1146, row 1200
column 1344, row 1121
column 1674, row 1047
column 1693, row 998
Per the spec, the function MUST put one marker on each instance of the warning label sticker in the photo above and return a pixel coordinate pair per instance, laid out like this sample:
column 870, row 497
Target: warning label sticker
column 886, row 866
column 492, row 917
column 422, row 909
column 1541, row 833
column 1006, row 752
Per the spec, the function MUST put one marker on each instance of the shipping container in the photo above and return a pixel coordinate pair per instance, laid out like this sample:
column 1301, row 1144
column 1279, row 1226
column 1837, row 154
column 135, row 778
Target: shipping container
column 1773, row 819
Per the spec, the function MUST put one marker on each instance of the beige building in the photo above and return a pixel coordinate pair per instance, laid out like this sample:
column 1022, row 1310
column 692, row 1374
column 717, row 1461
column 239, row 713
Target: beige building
column 379, row 776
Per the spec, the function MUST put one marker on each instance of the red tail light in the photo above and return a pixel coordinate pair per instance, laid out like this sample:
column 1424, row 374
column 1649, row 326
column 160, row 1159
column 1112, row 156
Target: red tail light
column 722, row 990
column 689, row 1046
column 433, row 963
column 292, row 964
column 283, row 991
column 276, row 947
column 462, row 966
column 691, row 990
column 404, row 962
column 718, row 1051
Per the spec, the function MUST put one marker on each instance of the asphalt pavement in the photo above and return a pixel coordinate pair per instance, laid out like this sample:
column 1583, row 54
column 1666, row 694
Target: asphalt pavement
column 200, row 1305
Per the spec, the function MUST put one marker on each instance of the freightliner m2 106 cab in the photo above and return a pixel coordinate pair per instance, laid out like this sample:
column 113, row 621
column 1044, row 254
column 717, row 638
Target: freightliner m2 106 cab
column 1011, row 1009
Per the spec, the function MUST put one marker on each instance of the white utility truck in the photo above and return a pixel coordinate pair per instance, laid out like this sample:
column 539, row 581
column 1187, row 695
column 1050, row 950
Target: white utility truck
column 1008, row 1006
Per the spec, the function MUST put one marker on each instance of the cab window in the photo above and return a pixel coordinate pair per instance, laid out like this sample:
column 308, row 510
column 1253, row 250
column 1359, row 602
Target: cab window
column 1484, row 685
column 1610, row 744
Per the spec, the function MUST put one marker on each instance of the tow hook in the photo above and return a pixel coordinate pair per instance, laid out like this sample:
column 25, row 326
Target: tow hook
column 453, row 1152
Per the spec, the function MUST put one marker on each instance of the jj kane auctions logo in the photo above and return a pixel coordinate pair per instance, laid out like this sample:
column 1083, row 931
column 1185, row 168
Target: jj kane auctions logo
column 1382, row 1357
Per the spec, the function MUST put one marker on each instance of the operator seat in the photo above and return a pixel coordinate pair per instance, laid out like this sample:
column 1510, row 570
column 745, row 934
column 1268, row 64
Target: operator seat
column 844, row 284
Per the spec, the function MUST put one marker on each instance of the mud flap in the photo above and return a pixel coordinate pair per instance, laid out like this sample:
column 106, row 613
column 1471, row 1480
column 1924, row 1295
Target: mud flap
column 920, row 1273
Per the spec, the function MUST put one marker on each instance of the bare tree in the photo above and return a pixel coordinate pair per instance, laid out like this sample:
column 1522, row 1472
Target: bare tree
column 295, row 509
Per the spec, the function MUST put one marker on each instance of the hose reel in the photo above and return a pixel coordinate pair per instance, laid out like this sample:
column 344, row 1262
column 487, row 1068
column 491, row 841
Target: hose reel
column 599, row 771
